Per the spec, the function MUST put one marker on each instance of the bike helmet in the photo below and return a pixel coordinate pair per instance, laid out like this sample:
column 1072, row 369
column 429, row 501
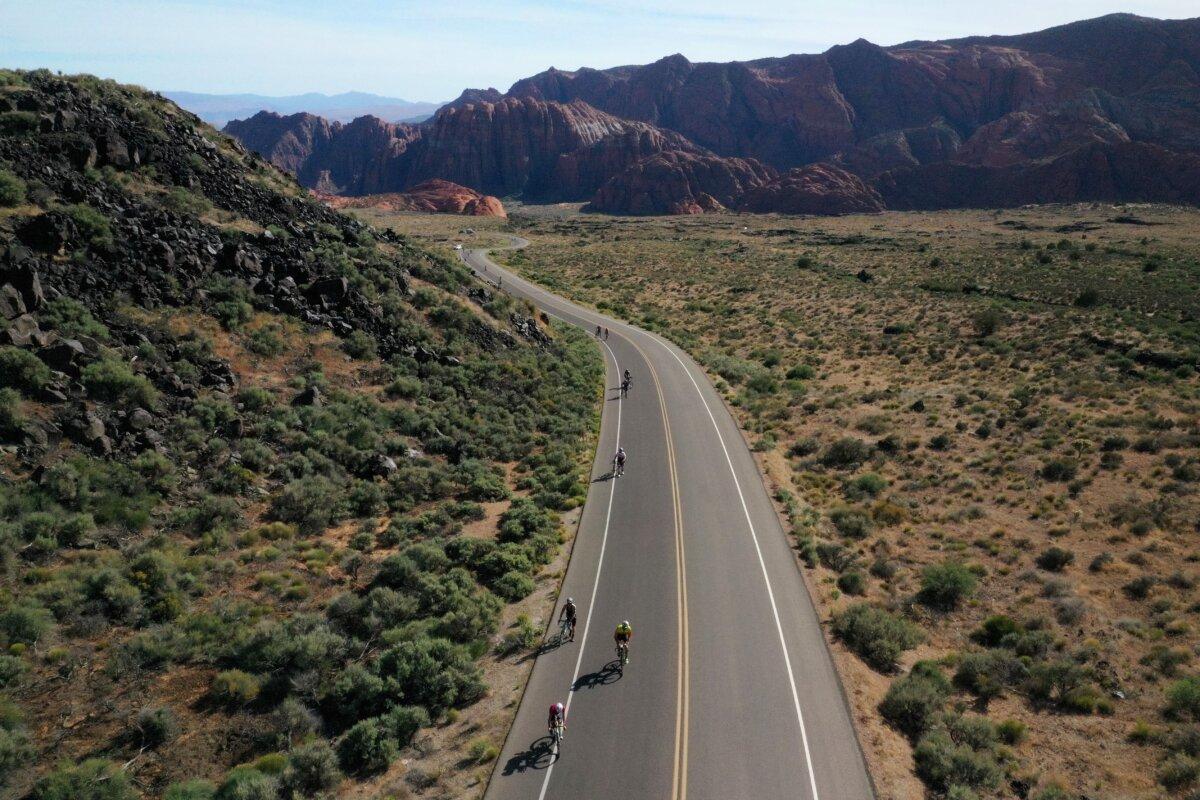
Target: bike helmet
column 558, row 707
column 570, row 599
column 625, row 623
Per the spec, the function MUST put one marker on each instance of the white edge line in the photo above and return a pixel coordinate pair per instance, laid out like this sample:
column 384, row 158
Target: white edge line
column 812, row 779
column 587, row 622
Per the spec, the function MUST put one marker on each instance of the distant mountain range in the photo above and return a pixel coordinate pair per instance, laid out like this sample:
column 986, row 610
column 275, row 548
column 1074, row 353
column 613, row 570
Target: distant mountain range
column 218, row 109
column 1100, row 110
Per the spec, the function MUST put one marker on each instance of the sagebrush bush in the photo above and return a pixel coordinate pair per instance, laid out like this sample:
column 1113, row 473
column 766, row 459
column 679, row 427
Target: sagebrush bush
column 945, row 585
column 941, row 764
column 311, row 768
column 913, row 701
column 1055, row 559
column 235, row 687
column 366, row 748
column 94, row 779
column 12, row 189
column 22, row 370
column 1183, row 699
column 845, row 453
column 875, row 635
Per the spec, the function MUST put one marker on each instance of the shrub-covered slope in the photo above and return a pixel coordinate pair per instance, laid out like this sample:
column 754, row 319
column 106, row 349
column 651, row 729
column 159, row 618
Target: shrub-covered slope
column 268, row 477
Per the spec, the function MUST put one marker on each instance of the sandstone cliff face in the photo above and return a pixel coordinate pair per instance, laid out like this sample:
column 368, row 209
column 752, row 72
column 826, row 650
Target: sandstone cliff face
column 1123, row 171
column 544, row 150
column 813, row 189
column 679, row 183
column 797, row 109
column 359, row 157
column 436, row 196
column 996, row 112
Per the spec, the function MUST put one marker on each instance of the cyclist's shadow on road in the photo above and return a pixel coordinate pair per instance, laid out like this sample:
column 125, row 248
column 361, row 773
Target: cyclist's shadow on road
column 608, row 674
column 538, row 756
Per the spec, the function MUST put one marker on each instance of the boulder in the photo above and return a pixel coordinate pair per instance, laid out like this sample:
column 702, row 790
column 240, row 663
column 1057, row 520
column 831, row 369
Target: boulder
column 331, row 291
column 22, row 331
column 52, row 232
column 12, row 305
column 65, row 355
column 309, row 397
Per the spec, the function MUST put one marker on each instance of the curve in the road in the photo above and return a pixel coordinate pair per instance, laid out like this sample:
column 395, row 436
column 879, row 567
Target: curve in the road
column 689, row 475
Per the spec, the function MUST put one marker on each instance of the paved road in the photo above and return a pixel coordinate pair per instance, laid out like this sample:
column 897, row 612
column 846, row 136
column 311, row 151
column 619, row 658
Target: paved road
column 730, row 691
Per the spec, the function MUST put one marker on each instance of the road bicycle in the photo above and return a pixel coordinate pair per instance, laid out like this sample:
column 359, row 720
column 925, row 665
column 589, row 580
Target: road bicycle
column 564, row 630
column 618, row 468
column 556, row 737
column 623, row 653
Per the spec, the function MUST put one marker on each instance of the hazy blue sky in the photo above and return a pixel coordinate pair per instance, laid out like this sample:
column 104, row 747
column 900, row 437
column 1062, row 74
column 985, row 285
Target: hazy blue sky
column 431, row 50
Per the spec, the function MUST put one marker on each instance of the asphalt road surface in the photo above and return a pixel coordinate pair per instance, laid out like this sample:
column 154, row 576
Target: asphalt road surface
column 730, row 691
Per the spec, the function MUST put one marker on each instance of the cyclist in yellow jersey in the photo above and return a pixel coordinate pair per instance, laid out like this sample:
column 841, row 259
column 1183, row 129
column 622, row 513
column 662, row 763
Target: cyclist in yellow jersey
column 622, row 635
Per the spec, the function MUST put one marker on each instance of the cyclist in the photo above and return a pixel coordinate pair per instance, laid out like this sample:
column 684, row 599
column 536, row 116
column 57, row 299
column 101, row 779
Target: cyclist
column 597, row 331
column 558, row 716
column 568, row 613
column 626, row 382
column 622, row 635
column 619, row 463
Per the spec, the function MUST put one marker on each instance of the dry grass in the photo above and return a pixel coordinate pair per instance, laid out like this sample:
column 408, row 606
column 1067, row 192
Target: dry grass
column 1024, row 379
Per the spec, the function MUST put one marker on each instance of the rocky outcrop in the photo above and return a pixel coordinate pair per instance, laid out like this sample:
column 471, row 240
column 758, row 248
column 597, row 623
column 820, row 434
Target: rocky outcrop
column 989, row 107
column 813, row 189
column 803, row 108
column 543, row 150
column 1122, row 171
column 435, row 196
column 359, row 157
column 679, row 183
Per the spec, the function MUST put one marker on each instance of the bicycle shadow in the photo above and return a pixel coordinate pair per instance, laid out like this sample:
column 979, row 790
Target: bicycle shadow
column 610, row 673
column 608, row 476
column 538, row 756
column 552, row 643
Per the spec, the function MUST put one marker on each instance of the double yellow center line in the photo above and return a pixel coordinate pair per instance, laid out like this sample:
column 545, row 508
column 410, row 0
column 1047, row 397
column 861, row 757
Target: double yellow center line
column 679, row 778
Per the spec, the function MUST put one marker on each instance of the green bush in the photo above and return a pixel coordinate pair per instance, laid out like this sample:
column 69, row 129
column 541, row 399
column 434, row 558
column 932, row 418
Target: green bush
column 113, row 381
column 1178, row 770
column 846, row 453
column 312, row 504
column 247, row 783
column 18, row 123
column 875, row 635
column 996, row 629
column 156, row 726
column 94, row 779
column 1055, row 559
column 92, row 224
column 1012, row 731
column 852, row 582
column 235, row 687
column 25, row 624
column 1060, row 470
column 941, row 764
column 180, row 201
column 15, row 752
column 403, row 722
column 913, row 701
column 12, row 190
column 360, row 346
column 987, row 673
column 191, row 790
column 12, row 419
column 945, row 585
column 367, row 748
column 433, row 673
column 1183, row 698
column 867, row 485
column 311, row 768
column 22, row 370
column 851, row 522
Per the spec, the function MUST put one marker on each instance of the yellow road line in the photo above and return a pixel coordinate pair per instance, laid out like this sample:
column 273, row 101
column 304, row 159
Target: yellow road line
column 679, row 779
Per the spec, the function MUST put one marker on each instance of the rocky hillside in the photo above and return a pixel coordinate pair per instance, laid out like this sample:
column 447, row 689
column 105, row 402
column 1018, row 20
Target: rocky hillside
column 434, row 197
column 1026, row 113
column 241, row 438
